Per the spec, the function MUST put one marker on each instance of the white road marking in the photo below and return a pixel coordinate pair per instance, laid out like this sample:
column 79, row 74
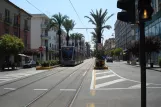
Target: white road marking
column 107, row 76
column 109, row 83
column 103, row 73
column 10, row 88
column 137, row 86
column 84, row 74
column 132, row 80
column 40, row 89
column 92, row 81
column 67, row 89
column 107, row 89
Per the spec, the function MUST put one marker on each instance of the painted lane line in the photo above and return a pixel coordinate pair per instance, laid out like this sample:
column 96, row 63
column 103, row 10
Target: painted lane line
column 84, row 74
column 110, row 83
column 9, row 88
column 133, row 80
column 124, row 78
column 103, row 77
column 92, row 81
column 40, row 89
column 137, row 86
column 67, row 89
column 103, row 73
column 107, row 89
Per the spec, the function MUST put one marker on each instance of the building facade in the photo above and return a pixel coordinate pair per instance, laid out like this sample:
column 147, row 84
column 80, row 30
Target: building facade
column 153, row 27
column 39, row 35
column 109, row 44
column 124, row 34
column 15, row 21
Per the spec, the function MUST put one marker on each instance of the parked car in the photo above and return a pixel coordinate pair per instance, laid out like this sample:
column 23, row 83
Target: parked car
column 109, row 59
column 30, row 64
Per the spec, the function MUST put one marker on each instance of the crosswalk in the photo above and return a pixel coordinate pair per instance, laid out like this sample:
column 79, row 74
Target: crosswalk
column 13, row 76
column 109, row 80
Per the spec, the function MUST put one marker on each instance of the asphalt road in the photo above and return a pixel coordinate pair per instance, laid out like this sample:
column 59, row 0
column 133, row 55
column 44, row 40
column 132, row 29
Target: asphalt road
column 81, row 86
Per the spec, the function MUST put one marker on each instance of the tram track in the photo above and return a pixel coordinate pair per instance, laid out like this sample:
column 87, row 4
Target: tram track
column 53, row 87
column 41, row 78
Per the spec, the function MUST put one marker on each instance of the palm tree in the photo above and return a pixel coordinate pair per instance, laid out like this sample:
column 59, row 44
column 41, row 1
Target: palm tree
column 80, row 36
column 68, row 25
column 99, row 19
column 72, row 36
column 57, row 21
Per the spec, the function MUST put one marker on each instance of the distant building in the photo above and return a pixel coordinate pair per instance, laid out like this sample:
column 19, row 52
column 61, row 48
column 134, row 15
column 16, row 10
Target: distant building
column 109, row 44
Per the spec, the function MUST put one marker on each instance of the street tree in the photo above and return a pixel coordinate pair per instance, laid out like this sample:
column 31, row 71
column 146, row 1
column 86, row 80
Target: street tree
column 99, row 19
column 68, row 25
column 9, row 45
column 117, row 52
column 72, row 37
column 152, row 43
column 57, row 21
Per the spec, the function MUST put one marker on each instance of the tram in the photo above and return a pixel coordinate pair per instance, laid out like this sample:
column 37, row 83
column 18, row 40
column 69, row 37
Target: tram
column 70, row 55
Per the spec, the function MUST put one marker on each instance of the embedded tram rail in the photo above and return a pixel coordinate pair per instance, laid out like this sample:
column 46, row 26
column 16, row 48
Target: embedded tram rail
column 72, row 99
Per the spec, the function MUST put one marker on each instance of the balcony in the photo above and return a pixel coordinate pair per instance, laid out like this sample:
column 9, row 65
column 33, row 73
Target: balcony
column 26, row 28
column 43, row 26
column 45, row 36
column 8, row 21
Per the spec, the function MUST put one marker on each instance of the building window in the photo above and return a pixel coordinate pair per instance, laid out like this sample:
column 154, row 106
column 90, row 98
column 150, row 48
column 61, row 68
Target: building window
column 25, row 23
column 50, row 44
column 7, row 15
column 15, row 19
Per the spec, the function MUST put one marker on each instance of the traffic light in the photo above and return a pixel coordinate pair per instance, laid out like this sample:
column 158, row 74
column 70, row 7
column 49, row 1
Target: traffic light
column 145, row 10
column 128, row 11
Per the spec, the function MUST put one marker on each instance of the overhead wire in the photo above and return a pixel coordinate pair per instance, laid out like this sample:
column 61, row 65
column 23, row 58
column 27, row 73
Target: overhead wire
column 78, row 16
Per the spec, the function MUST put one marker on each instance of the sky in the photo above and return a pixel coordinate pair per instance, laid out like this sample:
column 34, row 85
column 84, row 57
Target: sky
column 83, row 8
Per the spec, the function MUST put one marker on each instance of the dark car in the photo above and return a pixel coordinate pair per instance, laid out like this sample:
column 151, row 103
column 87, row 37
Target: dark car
column 109, row 59
column 29, row 64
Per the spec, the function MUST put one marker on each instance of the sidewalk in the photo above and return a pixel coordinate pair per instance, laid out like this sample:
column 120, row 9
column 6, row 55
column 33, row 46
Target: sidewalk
column 155, row 67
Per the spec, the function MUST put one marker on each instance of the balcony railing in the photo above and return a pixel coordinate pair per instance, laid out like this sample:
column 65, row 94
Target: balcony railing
column 45, row 36
column 26, row 28
column 43, row 26
column 8, row 21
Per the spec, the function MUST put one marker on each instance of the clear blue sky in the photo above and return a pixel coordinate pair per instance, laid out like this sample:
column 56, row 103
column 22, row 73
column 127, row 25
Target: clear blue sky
column 83, row 7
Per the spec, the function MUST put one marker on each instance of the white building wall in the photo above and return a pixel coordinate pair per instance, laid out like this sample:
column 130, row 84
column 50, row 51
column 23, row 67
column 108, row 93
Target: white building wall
column 35, row 33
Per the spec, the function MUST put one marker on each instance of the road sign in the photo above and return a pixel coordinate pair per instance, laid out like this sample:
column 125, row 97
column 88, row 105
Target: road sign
column 99, row 46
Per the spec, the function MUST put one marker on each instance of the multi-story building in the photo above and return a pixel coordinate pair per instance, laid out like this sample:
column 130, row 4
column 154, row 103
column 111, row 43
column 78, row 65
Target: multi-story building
column 15, row 21
column 39, row 35
column 153, row 27
column 53, row 43
column 109, row 44
column 124, row 34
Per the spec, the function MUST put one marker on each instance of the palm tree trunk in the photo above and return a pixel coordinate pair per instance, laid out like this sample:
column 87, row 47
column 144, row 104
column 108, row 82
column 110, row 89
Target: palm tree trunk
column 67, row 39
column 59, row 33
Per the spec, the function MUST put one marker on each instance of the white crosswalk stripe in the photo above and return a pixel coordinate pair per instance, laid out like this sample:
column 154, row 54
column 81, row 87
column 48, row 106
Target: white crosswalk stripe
column 109, row 83
column 9, row 77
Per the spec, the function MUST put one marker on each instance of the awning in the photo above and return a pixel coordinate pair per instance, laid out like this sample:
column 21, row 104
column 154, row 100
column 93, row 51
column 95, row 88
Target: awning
column 23, row 55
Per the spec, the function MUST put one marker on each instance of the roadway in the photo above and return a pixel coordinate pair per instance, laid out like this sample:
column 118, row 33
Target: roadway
column 81, row 86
